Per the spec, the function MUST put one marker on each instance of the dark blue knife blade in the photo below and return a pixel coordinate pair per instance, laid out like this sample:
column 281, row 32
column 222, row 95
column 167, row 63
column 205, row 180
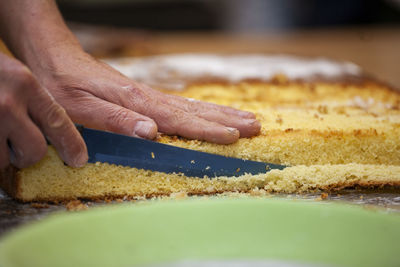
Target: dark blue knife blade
column 149, row 155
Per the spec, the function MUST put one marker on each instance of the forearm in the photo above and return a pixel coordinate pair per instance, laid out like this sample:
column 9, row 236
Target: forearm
column 35, row 32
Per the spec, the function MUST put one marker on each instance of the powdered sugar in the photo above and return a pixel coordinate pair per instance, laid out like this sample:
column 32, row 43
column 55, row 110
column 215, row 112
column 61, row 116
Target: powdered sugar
column 172, row 70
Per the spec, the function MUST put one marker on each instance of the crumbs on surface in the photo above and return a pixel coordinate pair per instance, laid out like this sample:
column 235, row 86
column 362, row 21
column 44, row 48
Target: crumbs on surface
column 178, row 195
column 323, row 196
column 40, row 205
column 76, row 205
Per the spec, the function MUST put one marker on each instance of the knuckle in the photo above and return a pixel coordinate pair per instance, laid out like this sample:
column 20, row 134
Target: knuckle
column 193, row 108
column 140, row 101
column 178, row 122
column 8, row 103
column 56, row 115
column 21, row 73
column 182, row 118
column 116, row 118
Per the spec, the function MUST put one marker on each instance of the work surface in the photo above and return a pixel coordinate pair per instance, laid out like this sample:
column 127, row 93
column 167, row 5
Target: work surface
column 14, row 213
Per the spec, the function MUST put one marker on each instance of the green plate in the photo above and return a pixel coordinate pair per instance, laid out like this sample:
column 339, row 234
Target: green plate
column 209, row 232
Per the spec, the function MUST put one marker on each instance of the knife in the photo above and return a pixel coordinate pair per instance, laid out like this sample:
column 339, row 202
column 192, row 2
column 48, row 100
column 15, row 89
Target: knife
column 149, row 155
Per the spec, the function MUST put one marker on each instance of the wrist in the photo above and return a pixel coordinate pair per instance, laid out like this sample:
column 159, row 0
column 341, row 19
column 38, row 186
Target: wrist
column 36, row 33
column 41, row 56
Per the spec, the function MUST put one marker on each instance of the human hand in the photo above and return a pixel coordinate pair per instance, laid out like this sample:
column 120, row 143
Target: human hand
column 27, row 112
column 97, row 96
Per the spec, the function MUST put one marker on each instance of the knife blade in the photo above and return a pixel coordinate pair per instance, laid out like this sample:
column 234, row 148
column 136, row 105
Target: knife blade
column 149, row 155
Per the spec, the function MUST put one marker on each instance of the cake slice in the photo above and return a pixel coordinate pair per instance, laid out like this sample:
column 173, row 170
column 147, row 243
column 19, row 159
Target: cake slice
column 333, row 135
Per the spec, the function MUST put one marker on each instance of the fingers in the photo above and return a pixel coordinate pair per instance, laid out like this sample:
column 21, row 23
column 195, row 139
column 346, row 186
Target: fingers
column 25, row 107
column 174, row 121
column 174, row 99
column 28, row 145
column 58, row 128
column 244, row 121
column 99, row 114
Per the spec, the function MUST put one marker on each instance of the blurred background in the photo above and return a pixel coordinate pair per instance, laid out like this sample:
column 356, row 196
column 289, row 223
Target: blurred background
column 231, row 15
column 366, row 32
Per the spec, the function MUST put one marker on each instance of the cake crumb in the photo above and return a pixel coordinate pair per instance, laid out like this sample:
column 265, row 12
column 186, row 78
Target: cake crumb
column 341, row 111
column 179, row 195
column 40, row 205
column 76, row 205
column 323, row 109
column 323, row 196
column 152, row 155
column 192, row 161
column 257, row 192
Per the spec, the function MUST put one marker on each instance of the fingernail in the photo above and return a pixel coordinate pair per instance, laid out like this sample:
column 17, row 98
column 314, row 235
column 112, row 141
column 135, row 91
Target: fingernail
column 145, row 129
column 77, row 160
column 81, row 160
column 254, row 123
column 246, row 114
column 232, row 131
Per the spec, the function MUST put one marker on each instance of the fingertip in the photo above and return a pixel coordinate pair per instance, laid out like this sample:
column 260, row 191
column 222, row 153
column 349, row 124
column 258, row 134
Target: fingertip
column 231, row 136
column 251, row 128
column 82, row 156
column 145, row 129
column 232, row 131
column 256, row 126
column 81, row 160
column 246, row 114
column 77, row 161
column 75, row 154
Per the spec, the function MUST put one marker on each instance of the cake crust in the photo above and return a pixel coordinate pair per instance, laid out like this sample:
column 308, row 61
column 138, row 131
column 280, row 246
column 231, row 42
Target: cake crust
column 9, row 181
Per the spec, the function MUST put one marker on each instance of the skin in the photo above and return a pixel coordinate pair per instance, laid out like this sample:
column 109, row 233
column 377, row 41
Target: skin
column 28, row 111
column 90, row 92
